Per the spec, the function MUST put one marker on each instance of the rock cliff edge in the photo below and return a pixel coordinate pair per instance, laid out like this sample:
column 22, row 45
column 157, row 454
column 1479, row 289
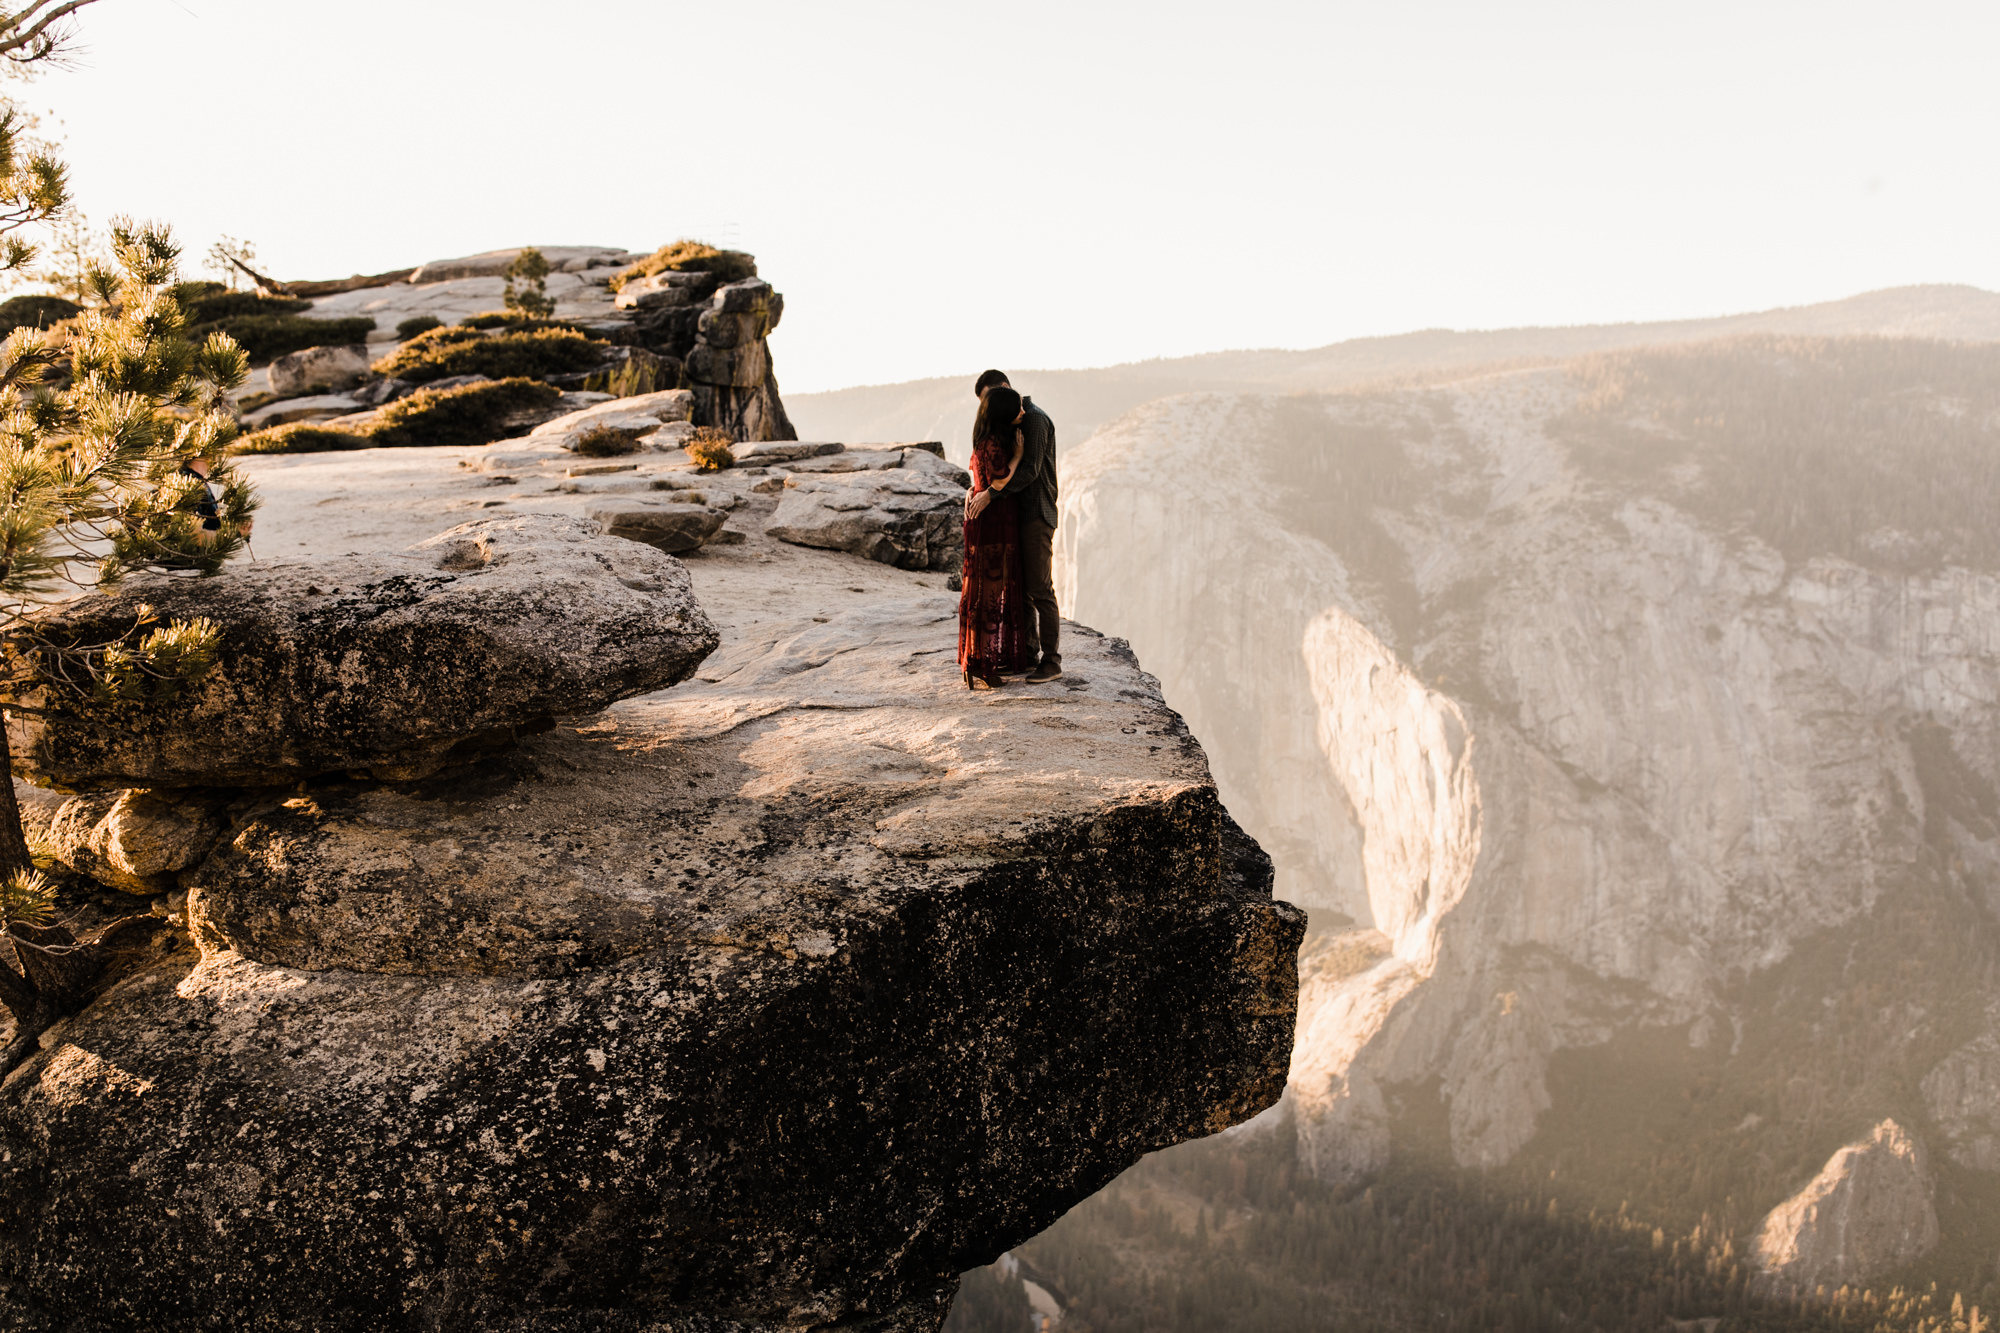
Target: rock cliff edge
column 771, row 1000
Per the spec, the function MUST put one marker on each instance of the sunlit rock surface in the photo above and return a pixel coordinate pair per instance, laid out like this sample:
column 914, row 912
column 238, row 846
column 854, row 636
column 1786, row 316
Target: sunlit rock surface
column 1867, row 1212
column 771, row 1001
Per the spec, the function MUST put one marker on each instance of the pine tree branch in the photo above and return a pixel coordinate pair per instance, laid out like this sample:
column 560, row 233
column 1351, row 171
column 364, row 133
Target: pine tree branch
column 14, row 38
column 271, row 285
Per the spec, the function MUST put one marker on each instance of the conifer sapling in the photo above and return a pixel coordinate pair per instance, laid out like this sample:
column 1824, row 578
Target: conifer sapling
column 114, row 463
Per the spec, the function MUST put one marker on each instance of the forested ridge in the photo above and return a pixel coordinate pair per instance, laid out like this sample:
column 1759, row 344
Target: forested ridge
column 1227, row 1236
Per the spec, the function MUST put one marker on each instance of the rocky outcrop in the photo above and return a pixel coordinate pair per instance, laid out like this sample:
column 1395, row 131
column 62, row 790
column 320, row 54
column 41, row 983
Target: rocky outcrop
column 657, row 291
column 729, row 364
column 786, row 451
column 329, row 368
column 902, row 507
column 669, row 330
column 493, row 263
column 769, row 1002
column 385, row 390
column 581, row 298
column 1868, row 1212
column 386, row 665
column 1962, row 1095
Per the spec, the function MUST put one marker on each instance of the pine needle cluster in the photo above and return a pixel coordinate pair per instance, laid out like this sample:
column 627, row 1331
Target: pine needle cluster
column 96, row 475
column 27, row 898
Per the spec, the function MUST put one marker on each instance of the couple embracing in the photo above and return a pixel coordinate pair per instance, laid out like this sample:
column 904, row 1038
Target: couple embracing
column 1007, row 617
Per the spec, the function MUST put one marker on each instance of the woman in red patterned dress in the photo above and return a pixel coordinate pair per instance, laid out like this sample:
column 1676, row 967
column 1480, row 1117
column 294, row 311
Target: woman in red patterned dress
column 993, row 605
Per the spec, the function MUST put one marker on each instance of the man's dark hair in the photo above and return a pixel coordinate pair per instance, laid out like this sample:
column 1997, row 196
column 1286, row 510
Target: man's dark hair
column 987, row 379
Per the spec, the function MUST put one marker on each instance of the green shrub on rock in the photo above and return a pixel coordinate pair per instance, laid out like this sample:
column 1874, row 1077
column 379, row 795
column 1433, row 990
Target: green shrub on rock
column 210, row 302
column 513, row 323
column 268, row 337
column 472, row 414
column 301, row 437
column 416, row 324
column 530, row 298
column 686, row 256
column 427, row 345
column 463, row 351
column 641, row 372
column 267, row 327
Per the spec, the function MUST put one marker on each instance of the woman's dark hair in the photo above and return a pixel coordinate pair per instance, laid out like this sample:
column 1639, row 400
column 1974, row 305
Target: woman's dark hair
column 998, row 407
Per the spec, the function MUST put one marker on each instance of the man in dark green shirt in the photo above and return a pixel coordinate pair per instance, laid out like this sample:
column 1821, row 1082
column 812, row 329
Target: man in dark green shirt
column 1034, row 484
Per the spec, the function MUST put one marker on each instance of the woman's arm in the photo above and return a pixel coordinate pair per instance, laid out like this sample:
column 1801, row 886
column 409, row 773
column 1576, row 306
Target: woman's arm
column 1013, row 464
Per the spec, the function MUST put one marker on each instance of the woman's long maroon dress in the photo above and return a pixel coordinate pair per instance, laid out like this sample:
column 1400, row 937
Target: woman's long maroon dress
column 993, row 605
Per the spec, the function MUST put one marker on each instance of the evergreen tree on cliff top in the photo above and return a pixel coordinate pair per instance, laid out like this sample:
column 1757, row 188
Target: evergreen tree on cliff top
column 100, row 463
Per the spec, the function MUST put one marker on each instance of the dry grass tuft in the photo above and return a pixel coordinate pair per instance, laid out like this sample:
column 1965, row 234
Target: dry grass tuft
column 685, row 256
column 710, row 449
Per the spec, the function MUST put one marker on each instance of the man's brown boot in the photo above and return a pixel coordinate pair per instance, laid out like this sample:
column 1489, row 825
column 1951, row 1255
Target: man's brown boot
column 1045, row 672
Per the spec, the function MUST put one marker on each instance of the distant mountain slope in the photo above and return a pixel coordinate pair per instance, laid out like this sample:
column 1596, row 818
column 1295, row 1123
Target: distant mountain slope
column 1633, row 726
column 1083, row 400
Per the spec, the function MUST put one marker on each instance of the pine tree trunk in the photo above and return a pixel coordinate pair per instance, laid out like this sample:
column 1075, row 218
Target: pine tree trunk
column 13, row 839
column 47, row 982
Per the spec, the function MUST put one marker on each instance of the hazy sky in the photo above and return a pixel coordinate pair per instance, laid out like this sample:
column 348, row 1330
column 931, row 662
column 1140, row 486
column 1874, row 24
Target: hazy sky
column 939, row 187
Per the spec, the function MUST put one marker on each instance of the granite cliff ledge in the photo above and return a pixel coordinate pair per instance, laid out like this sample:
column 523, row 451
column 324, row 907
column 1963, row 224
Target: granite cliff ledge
column 770, row 1001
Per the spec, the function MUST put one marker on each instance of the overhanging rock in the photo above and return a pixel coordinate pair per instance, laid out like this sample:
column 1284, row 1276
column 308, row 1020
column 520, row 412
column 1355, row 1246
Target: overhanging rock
column 778, row 998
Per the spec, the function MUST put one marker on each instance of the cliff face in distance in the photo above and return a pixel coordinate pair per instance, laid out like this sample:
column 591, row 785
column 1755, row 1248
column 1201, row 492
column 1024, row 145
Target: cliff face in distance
column 1632, row 728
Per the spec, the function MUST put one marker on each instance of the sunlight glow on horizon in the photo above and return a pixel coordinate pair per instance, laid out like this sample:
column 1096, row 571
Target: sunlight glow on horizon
column 1082, row 184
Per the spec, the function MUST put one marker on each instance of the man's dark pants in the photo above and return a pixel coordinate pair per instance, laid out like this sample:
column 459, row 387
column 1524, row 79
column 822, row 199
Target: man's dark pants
column 1038, row 554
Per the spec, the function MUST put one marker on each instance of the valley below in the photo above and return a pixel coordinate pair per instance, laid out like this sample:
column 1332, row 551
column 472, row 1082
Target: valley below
column 1628, row 726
